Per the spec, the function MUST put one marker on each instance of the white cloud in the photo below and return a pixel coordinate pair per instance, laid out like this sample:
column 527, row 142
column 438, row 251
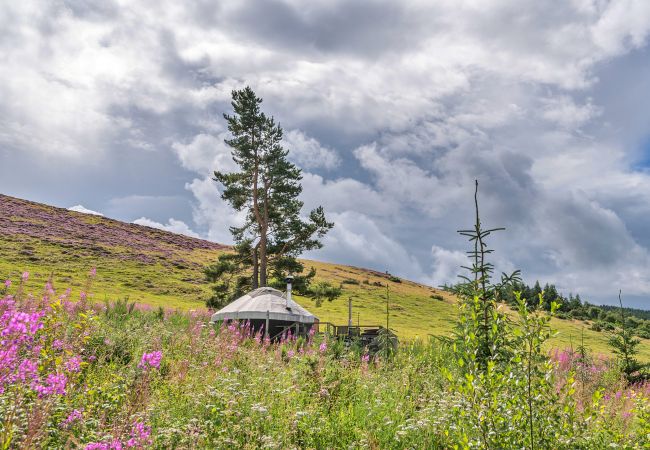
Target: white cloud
column 84, row 210
column 410, row 101
column 205, row 154
column 308, row 153
column 212, row 212
column 173, row 226
column 344, row 194
column 357, row 240
column 565, row 112
column 447, row 265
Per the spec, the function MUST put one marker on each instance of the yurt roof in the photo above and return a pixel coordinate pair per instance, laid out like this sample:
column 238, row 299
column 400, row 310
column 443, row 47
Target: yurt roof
column 257, row 303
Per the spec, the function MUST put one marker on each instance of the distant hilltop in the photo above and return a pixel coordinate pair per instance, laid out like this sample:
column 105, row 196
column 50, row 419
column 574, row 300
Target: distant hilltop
column 65, row 227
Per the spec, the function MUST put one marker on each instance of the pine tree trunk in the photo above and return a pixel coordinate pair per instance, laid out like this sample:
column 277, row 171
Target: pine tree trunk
column 255, row 277
column 263, row 258
column 265, row 229
column 262, row 227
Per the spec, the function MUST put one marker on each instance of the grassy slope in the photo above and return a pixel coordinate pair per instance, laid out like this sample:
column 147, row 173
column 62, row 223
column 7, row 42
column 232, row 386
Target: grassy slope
column 159, row 268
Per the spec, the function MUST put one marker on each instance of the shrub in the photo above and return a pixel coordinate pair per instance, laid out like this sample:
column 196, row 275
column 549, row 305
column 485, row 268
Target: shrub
column 394, row 279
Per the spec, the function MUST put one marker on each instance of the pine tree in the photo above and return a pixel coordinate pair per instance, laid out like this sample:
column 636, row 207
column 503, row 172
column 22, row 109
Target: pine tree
column 266, row 188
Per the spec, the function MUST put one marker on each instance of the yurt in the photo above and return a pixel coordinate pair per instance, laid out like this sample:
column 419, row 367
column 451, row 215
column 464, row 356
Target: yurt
column 268, row 309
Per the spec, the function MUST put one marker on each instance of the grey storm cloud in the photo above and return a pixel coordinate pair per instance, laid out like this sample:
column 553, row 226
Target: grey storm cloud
column 392, row 109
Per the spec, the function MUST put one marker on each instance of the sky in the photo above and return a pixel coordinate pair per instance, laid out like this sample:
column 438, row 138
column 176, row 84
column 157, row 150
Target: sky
column 391, row 109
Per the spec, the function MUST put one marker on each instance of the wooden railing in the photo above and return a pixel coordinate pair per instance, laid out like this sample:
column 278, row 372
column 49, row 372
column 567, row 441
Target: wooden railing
column 345, row 330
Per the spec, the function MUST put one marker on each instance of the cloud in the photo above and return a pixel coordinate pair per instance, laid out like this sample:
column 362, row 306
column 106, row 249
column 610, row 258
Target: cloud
column 563, row 111
column 212, row 212
column 358, row 240
column 391, row 109
column 173, row 226
column 447, row 265
column 344, row 194
column 84, row 210
column 308, row 153
column 206, row 154
column 157, row 207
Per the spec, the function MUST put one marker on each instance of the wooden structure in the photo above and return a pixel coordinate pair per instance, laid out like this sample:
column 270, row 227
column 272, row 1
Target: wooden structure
column 366, row 335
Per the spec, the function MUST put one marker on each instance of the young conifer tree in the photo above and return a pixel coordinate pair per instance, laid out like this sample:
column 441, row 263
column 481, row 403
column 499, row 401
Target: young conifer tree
column 266, row 188
column 624, row 345
column 480, row 295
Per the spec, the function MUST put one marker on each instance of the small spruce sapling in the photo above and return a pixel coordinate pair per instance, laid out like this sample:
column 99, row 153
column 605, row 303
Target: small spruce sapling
column 480, row 294
column 624, row 345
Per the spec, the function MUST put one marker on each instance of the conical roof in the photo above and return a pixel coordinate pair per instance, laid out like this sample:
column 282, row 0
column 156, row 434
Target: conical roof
column 257, row 303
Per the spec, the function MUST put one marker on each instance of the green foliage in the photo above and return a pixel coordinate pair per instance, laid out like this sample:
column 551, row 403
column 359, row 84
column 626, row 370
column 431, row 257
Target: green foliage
column 322, row 291
column 504, row 385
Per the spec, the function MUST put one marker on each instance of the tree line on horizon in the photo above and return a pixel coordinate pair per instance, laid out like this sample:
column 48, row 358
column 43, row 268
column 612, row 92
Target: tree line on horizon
column 573, row 307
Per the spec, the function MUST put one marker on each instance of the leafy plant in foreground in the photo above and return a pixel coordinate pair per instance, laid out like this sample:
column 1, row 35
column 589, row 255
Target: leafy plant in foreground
column 505, row 386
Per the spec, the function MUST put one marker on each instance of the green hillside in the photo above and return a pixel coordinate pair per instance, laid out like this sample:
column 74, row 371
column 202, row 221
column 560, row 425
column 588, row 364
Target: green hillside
column 160, row 268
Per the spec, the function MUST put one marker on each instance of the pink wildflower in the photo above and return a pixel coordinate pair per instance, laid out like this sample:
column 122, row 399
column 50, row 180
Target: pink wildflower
column 25, row 276
column 150, row 360
column 54, row 384
column 141, row 432
column 323, row 347
column 73, row 364
column 115, row 445
column 365, row 358
column 22, row 323
column 93, row 272
column 65, row 295
column 96, row 446
column 27, row 369
column 83, row 295
column 74, row 416
column 7, row 284
column 291, row 354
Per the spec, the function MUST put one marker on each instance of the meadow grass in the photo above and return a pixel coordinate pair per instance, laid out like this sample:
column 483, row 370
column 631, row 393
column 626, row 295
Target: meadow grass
column 109, row 376
column 416, row 311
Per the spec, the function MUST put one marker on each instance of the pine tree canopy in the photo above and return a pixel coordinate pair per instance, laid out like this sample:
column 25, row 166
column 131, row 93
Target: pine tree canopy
column 266, row 188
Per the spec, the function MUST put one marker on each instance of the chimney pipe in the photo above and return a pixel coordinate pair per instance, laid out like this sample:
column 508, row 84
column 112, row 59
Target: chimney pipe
column 289, row 280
